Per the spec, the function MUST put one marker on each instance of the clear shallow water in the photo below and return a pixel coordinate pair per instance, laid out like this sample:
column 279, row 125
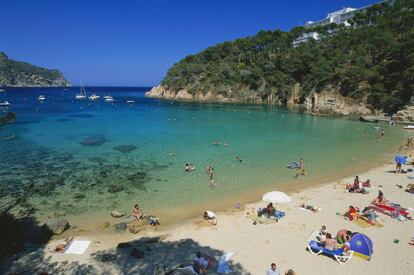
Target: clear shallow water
column 49, row 166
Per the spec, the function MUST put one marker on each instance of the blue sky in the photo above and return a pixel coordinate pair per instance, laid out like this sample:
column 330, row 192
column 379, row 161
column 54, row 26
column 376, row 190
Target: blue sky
column 133, row 43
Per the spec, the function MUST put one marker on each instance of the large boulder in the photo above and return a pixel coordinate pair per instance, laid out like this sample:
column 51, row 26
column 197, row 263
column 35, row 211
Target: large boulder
column 56, row 225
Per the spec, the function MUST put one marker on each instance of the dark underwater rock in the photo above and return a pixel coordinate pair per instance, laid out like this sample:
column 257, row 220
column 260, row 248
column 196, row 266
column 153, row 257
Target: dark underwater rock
column 93, row 141
column 115, row 188
column 125, row 148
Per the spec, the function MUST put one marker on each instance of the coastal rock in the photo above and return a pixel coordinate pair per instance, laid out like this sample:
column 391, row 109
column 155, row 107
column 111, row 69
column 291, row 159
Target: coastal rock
column 125, row 148
column 123, row 245
column 134, row 229
column 93, row 141
column 104, row 225
column 120, row 227
column 56, row 225
column 330, row 101
column 137, row 253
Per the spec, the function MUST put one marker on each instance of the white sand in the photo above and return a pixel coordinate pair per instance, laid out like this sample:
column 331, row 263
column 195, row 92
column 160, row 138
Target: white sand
column 256, row 246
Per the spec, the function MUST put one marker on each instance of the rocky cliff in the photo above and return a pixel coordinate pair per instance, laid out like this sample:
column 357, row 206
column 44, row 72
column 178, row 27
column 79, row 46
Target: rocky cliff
column 326, row 101
column 21, row 74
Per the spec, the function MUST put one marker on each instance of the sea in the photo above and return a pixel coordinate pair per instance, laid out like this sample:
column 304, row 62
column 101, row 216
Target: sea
column 82, row 159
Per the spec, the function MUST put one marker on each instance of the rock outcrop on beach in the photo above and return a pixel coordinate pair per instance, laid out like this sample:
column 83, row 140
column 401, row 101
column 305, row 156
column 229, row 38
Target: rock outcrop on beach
column 362, row 69
column 21, row 74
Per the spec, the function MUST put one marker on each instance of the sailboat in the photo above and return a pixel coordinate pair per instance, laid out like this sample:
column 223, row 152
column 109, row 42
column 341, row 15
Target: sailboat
column 82, row 94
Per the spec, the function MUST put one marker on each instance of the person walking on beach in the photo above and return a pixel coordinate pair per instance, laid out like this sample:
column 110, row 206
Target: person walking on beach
column 273, row 270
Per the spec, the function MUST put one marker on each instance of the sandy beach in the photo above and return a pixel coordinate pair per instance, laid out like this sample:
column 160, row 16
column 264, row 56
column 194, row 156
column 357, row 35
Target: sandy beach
column 255, row 246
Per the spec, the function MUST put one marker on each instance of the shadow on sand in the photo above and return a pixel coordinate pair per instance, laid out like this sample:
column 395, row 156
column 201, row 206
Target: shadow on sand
column 135, row 257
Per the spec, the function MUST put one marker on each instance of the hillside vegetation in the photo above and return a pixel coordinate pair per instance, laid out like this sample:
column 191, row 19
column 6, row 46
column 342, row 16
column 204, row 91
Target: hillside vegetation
column 373, row 60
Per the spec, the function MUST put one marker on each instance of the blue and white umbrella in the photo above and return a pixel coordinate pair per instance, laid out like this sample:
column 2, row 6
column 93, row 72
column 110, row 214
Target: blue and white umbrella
column 400, row 159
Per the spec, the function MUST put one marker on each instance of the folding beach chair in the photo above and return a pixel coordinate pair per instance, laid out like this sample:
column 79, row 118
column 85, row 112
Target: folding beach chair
column 316, row 248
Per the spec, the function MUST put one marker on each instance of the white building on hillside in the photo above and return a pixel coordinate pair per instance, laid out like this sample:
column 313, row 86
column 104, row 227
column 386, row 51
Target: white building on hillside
column 337, row 17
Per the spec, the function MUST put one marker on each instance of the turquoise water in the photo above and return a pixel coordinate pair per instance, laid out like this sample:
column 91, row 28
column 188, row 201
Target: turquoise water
column 49, row 164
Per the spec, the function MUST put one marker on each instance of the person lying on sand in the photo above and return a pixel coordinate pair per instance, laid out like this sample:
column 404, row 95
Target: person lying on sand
column 210, row 217
column 370, row 215
column 61, row 248
column 137, row 212
column 380, row 199
column 312, row 208
column 410, row 188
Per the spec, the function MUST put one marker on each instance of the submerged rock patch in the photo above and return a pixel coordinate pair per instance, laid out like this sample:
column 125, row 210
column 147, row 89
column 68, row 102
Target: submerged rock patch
column 125, row 148
column 93, row 141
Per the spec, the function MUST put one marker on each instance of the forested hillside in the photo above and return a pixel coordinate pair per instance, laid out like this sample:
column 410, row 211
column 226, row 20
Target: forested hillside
column 373, row 60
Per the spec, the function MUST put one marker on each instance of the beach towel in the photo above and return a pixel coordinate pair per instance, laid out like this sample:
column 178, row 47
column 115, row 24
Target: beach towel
column 317, row 208
column 365, row 224
column 78, row 247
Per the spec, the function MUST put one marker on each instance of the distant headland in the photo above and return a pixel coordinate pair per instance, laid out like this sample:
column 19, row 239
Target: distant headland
column 21, row 74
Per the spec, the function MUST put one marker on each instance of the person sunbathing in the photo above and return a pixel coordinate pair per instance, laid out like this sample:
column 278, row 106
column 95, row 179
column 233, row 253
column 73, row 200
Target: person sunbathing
column 61, row 248
column 370, row 215
column 210, row 217
column 352, row 213
column 410, row 188
column 329, row 242
column 137, row 212
column 312, row 208
column 269, row 210
column 380, row 199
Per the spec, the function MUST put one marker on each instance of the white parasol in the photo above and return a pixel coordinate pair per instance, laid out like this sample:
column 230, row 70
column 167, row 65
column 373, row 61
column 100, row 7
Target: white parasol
column 276, row 197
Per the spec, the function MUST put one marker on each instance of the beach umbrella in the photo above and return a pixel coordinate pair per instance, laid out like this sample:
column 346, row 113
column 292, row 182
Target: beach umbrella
column 276, row 197
column 362, row 246
column 400, row 159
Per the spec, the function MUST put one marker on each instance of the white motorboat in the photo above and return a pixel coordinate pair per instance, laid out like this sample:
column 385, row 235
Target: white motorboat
column 5, row 104
column 130, row 101
column 109, row 99
column 82, row 94
column 2, row 90
column 409, row 127
column 41, row 97
column 93, row 97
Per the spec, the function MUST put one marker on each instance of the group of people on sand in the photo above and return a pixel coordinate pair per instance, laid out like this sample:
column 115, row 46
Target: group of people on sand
column 358, row 186
column 341, row 238
column 139, row 216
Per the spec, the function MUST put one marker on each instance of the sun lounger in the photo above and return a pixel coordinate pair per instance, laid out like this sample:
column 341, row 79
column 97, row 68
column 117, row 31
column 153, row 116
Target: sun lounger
column 316, row 248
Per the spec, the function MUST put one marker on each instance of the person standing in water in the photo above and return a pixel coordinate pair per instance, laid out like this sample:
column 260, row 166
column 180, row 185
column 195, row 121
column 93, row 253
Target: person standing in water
column 301, row 163
column 382, row 133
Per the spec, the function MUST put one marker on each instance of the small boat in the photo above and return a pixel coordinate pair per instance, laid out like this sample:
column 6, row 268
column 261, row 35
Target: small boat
column 130, row 101
column 409, row 127
column 365, row 119
column 82, row 94
column 109, row 99
column 93, row 97
column 2, row 90
column 107, row 96
column 8, row 137
column 5, row 104
column 41, row 97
